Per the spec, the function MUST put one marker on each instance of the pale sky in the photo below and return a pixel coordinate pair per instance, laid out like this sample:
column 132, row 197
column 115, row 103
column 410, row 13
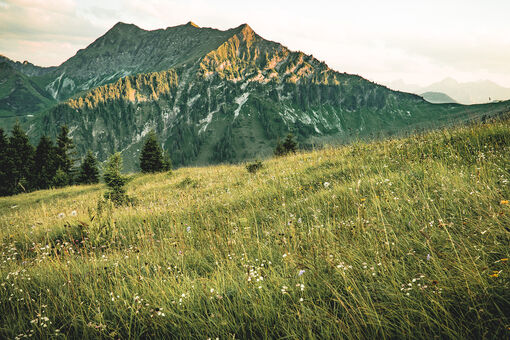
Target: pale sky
column 419, row 42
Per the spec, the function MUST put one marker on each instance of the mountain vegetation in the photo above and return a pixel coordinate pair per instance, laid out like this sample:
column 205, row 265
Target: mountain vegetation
column 402, row 238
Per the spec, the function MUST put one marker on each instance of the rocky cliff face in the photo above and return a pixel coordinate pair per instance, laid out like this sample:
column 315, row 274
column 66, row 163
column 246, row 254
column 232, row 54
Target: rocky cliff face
column 219, row 96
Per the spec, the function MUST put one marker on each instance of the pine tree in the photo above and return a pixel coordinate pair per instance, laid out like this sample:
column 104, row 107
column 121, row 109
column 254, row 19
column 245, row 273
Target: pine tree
column 43, row 168
column 151, row 157
column 20, row 153
column 89, row 173
column 4, row 165
column 63, row 159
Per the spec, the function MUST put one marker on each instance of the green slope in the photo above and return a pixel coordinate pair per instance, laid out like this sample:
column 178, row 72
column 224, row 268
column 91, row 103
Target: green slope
column 406, row 238
column 438, row 98
column 20, row 98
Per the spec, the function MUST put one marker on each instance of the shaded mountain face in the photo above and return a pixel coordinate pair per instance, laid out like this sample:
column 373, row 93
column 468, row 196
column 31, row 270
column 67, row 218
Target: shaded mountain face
column 18, row 94
column 438, row 98
column 219, row 96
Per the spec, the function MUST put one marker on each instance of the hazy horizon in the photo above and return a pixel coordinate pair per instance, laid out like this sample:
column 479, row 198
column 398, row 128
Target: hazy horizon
column 417, row 43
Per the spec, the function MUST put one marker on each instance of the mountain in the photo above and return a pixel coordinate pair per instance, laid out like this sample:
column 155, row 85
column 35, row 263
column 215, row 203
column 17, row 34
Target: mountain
column 438, row 98
column 219, row 96
column 466, row 93
column 19, row 95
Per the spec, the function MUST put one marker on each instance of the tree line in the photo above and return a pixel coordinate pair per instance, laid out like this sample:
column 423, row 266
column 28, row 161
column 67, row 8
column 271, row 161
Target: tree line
column 25, row 168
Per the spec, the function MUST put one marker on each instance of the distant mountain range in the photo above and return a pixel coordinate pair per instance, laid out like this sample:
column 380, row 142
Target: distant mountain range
column 212, row 96
column 464, row 93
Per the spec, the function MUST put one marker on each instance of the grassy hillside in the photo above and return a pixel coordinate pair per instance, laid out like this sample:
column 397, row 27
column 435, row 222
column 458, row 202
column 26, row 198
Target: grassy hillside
column 407, row 238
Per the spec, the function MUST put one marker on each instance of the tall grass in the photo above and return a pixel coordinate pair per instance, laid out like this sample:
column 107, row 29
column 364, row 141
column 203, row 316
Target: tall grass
column 406, row 238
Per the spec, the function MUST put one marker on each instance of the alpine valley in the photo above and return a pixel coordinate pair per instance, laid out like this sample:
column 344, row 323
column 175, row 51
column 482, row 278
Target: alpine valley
column 212, row 96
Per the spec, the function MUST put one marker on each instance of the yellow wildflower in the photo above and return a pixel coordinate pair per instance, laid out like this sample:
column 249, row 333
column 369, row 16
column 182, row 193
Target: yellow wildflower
column 504, row 202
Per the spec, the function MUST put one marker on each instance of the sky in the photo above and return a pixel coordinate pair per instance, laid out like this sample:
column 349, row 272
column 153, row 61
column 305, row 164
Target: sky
column 419, row 42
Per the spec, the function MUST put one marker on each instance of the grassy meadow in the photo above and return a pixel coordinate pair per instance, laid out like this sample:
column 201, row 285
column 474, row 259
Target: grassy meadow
column 406, row 238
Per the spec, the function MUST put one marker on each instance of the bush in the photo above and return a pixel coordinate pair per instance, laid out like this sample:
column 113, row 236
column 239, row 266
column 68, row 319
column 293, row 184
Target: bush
column 254, row 166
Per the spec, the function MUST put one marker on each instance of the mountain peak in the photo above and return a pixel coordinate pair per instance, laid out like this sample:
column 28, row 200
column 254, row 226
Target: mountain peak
column 192, row 24
column 122, row 27
column 246, row 31
column 245, row 28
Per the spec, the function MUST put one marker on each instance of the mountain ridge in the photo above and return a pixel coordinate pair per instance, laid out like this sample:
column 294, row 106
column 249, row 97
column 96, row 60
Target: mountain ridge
column 474, row 92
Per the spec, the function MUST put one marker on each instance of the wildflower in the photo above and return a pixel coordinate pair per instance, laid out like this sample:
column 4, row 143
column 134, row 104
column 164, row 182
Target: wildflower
column 428, row 257
column 73, row 213
column 301, row 272
column 495, row 274
column 188, row 229
column 326, row 184
column 363, row 199
column 61, row 215
column 504, row 202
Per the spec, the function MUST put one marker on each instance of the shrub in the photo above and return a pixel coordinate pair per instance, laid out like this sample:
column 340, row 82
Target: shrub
column 288, row 146
column 254, row 166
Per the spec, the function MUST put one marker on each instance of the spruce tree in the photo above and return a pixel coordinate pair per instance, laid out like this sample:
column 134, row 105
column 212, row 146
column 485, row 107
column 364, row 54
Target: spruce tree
column 20, row 153
column 63, row 159
column 89, row 173
column 43, row 168
column 4, row 165
column 151, row 157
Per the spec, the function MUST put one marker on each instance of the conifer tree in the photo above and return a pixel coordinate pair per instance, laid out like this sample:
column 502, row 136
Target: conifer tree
column 63, row 159
column 89, row 173
column 20, row 153
column 151, row 157
column 4, row 165
column 114, row 180
column 43, row 168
